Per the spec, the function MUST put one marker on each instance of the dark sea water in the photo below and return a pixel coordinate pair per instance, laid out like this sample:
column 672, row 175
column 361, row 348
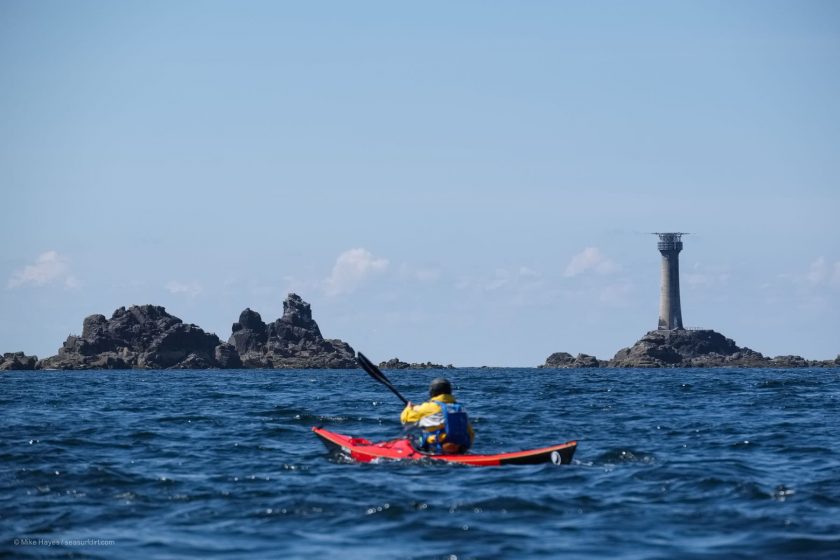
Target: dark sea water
column 219, row 464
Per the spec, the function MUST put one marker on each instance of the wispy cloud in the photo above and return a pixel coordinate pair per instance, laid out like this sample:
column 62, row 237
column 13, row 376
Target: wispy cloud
column 517, row 286
column 419, row 274
column 813, row 287
column 48, row 269
column 351, row 269
column 590, row 260
column 619, row 294
column 189, row 289
column 708, row 277
column 821, row 273
column 501, row 279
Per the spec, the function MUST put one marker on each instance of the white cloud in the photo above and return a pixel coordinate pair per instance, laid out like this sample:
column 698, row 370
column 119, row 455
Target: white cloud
column 463, row 283
column 191, row 289
column 811, row 287
column 590, row 259
column 426, row 275
column 499, row 280
column 817, row 271
column 822, row 272
column 511, row 280
column 351, row 269
column 520, row 286
column 49, row 268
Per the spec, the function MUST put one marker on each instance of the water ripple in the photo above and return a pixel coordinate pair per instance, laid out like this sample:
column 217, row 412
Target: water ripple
column 673, row 463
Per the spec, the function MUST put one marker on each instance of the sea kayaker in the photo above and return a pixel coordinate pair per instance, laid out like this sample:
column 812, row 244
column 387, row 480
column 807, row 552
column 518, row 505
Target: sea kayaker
column 444, row 425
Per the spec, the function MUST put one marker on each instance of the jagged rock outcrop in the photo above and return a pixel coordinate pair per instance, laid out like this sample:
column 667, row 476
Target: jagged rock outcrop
column 700, row 348
column 17, row 361
column 396, row 363
column 565, row 360
column 146, row 336
column 684, row 348
column 799, row 361
column 292, row 341
column 142, row 336
column 227, row 357
column 249, row 333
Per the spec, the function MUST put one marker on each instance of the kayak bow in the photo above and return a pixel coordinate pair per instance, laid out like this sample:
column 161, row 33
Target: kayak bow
column 365, row 451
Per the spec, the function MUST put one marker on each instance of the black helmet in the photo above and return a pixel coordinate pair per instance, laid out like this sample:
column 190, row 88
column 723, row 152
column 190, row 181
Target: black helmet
column 440, row 386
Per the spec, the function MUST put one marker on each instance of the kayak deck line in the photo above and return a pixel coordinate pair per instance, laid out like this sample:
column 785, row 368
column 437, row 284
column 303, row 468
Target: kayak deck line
column 365, row 451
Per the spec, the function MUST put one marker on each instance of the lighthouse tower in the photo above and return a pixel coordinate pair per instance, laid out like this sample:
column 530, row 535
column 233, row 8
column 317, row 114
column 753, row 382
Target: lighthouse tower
column 670, row 314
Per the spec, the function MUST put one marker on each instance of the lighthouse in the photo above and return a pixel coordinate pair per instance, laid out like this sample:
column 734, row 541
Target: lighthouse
column 670, row 313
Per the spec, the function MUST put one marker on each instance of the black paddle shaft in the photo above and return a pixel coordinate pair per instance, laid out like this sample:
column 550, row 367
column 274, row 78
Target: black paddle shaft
column 377, row 374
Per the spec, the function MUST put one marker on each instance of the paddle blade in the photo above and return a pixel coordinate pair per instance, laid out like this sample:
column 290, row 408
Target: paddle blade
column 371, row 368
column 377, row 374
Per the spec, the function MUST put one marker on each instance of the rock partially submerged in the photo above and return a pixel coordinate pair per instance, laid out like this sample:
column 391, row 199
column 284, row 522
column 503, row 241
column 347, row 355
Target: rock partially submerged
column 396, row 363
column 146, row 336
column 566, row 360
column 685, row 348
column 142, row 336
column 17, row 361
column 292, row 341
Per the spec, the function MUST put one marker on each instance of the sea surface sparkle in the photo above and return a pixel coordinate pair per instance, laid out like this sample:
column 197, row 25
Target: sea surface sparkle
column 679, row 463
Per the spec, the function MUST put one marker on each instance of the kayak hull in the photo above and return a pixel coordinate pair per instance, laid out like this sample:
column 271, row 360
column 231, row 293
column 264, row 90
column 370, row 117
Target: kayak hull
column 365, row 451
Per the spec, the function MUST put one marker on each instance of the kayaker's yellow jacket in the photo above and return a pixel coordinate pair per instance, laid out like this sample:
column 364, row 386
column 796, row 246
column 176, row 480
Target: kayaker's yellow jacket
column 429, row 416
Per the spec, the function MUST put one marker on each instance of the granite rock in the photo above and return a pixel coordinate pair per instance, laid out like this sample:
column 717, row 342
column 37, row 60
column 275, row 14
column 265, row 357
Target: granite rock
column 564, row 360
column 685, row 348
column 142, row 336
column 249, row 334
column 17, row 361
column 292, row 341
column 396, row 363
column 227, row 357
column 700, row 348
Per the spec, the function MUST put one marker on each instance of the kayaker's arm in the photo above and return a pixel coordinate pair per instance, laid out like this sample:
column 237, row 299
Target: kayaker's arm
column 407, row 413
column 412, row 414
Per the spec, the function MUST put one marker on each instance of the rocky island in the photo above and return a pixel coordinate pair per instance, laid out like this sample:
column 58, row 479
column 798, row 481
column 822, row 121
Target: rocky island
column 142, row 336
column 396, row 363
column 684, row 349
column 17, row 361
column 147, row 337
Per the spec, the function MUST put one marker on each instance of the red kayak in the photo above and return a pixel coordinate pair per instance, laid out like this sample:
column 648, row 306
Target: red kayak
column 365, row 451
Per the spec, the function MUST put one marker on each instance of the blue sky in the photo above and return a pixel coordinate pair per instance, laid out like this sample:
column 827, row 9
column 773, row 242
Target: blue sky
column 467, row 182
